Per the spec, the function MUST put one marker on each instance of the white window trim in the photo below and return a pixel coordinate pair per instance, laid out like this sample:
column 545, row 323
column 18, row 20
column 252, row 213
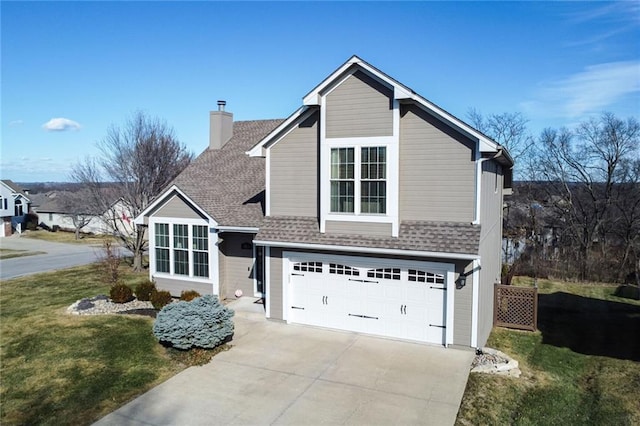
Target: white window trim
column 212, row 250
column 391, row 143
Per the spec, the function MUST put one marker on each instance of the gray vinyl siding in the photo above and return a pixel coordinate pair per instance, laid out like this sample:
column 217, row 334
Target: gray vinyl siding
column 437, row 170
column 238, row 264
column 463, row 302
column 275, row 283
column 294, row 171
column 490, row 245
column 360, row 106
column 177, row 286
column 358, row 228
column 176, row 207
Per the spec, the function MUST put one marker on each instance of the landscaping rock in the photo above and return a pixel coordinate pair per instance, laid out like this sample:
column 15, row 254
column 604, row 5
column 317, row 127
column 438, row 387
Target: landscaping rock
column 493, row 361
column 102, row 305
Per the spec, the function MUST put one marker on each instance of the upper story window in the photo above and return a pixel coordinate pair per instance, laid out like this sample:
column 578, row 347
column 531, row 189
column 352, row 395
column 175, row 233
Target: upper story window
column 359, row 180
column 18, row 208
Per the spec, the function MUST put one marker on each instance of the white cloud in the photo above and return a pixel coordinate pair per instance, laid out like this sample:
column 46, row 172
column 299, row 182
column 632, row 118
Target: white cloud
column 60, row 125
column 593, row 90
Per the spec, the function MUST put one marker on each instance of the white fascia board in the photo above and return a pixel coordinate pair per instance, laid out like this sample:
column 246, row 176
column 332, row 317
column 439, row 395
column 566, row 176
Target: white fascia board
column 256, row 150
column 243, row 229
column 327, row 247
column 139, row 220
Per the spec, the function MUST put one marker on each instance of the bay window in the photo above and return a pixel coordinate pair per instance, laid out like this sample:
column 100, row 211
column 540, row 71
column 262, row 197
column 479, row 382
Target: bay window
column 182, row 249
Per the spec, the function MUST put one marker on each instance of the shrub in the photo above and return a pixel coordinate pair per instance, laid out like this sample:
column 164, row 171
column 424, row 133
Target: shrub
column 189, row 295
column 110, row 263
column 121, row 293
column 160, row 298
column 202, row 323
column 144, row 290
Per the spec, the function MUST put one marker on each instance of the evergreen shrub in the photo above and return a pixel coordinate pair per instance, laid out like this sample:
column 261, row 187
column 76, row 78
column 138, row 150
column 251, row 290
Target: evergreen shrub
column 202, row 323
column 189, row 295
column 121, row 293
column 160, row 298
column 144, row 290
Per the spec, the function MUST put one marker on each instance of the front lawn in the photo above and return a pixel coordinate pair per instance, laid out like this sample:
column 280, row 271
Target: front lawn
column 66, row 237
column 10, row 253
column 582, row 367
column 67, row 369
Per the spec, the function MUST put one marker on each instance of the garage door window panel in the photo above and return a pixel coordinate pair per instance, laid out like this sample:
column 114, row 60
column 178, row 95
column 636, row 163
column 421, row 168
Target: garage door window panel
column 335, row 268
column 385, row 273
column 308, row 267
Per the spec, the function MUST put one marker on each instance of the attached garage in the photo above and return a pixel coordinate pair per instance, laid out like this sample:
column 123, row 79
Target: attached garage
column 396, row 298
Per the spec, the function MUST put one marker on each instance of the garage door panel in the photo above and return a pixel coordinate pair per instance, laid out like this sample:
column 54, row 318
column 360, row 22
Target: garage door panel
column 394, row 300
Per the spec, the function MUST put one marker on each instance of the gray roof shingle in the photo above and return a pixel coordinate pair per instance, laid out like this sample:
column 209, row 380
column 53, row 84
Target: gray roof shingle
column 228, row 184
column 444, row 237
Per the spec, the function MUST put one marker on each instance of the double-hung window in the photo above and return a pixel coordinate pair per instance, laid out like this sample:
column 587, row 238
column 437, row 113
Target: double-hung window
column 182, row 249
column 359, row 180
column 162, row 247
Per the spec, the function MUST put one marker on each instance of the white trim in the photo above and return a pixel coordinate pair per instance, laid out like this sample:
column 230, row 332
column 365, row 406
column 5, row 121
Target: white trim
column 327, row 247
column 286, row 278
column 391, row 143
column 240, row 229
column 450, row 308
column 139, row 220
column 267, row 182
column 212, row 250
column 478, row 207
column 267, row 281
column 475, row 274
column 325, row 152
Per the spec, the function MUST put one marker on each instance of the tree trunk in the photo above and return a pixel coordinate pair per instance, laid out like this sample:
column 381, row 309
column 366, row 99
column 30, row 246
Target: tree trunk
column 137, row 261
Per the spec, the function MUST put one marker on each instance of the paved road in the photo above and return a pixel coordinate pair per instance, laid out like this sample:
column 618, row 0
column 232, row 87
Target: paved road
column 57, row 256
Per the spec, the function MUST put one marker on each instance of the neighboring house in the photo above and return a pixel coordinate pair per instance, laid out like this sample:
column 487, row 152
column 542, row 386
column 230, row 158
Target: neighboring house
column 53, row 211
column 369, row 209
column 14, row 207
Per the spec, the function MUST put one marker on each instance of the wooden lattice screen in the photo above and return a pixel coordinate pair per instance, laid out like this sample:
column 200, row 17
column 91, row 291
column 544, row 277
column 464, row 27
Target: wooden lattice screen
column 516, row 307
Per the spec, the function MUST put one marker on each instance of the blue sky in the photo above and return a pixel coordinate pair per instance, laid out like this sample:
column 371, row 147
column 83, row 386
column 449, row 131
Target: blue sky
column 70, row 69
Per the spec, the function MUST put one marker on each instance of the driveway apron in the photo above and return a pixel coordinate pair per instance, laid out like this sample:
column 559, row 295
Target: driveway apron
column 289, row 375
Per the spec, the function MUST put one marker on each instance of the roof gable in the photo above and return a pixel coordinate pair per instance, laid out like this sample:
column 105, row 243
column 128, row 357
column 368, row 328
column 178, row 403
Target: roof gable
column 401, row 93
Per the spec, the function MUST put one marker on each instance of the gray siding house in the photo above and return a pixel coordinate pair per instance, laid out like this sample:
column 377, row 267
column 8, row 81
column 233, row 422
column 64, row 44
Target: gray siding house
column 369, row 209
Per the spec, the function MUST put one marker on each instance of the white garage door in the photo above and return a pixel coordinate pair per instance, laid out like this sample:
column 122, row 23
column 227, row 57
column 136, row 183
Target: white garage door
column 390, row 298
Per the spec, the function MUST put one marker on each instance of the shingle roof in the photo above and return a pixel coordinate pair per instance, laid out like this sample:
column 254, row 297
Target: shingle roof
column 445, row 237
column 15, row 188
column 228, row 184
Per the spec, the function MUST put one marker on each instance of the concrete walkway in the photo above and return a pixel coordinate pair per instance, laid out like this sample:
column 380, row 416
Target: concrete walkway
column 287, row 374
column 56, row 256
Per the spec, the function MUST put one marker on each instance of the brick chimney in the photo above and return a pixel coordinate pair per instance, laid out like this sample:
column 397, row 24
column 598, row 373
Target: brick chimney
column 220, row 126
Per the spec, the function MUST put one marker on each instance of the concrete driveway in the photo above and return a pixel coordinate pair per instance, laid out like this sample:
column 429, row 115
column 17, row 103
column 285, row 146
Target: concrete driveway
column 288, row 374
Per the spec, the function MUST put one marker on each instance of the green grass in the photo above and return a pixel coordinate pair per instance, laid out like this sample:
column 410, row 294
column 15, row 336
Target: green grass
column 60, row 368
column 65, row 237
column 10, row 253
column 565, row 381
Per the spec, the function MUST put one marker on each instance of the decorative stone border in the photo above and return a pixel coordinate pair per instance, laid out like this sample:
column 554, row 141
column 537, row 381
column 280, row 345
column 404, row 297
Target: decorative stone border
column 493, row 361
column 101, row 305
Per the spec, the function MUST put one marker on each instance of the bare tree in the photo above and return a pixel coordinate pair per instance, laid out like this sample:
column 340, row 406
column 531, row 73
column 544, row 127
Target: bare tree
column 509, row 129
column 137, row 161
column 586, row 169
column 77, row 208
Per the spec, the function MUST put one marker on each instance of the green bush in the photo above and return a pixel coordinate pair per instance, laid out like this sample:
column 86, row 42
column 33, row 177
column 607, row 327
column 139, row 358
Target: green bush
column 160, row 298
column 121, row 293
column 203, row 323
column 189, row 295
column 144, row 290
